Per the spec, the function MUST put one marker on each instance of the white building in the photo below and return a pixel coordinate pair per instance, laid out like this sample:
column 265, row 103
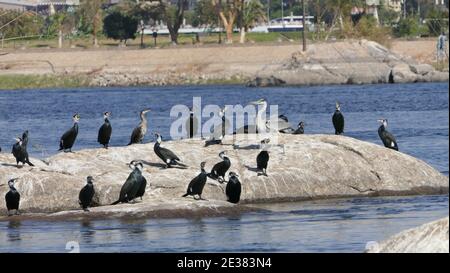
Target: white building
column 36, row 5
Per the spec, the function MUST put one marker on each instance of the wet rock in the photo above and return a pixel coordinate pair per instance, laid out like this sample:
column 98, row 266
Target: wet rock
column 428, row 238
column 265, row 82
column 301, row 167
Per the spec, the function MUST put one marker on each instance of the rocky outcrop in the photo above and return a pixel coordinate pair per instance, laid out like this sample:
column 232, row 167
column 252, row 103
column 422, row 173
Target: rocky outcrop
column 428, row 238
column 301, row 167
column 357, row 62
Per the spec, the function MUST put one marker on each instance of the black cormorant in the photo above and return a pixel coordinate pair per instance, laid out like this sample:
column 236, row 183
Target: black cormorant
column 338, row 120
column 233, row 189
column 12, row 198
column 132, row 185
column 220, row 169
column 69, row 137
column 166, row 155
column 300, row 129
column 104, row 134
column 86, row 194
column 263, row 158
column 139, row 132
column 197, row 184
column 19, row 150
column 191, row 124
column 387, row 138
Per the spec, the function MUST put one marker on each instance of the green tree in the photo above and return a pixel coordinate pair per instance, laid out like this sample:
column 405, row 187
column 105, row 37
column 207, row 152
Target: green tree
column 252, row 13
column 120, row 26
column 90, row 15
column 205, row 14
column 228, row 11
column 407, row 27
column 437, row 21
column 173, row 17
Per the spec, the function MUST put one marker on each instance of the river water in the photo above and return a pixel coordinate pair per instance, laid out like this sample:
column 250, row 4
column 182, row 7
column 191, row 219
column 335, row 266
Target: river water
column 418, row 117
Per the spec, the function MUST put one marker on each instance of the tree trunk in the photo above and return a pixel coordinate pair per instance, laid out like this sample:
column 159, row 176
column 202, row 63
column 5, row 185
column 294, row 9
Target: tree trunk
column 242, row 37
column 60, row 38
column 228, row 23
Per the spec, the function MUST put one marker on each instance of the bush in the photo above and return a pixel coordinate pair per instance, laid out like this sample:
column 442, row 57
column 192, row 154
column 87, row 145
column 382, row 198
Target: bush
column 368, row 28
column 407, row 27
column 436, row 23
column 120, row 26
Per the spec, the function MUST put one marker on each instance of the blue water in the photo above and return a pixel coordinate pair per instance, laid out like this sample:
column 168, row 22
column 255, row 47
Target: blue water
column 417, row 113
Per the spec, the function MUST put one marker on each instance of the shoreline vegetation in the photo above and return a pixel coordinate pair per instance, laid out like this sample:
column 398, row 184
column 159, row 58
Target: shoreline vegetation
column 264, row 64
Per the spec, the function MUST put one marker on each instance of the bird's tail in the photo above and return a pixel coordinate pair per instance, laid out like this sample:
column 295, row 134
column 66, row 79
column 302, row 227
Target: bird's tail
column 212, row 176
column 115, row 203
column 181, row 164
column 185, row 195
column 212, row 142
column 29, row 163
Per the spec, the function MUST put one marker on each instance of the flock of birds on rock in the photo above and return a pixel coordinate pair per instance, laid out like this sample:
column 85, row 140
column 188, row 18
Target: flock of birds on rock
column 135, row 185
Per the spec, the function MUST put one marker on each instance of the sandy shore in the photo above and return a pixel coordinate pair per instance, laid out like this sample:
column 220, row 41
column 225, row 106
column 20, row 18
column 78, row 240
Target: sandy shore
column 192, row 65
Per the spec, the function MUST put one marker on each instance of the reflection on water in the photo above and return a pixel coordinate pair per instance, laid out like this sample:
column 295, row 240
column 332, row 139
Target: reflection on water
column 340, row 225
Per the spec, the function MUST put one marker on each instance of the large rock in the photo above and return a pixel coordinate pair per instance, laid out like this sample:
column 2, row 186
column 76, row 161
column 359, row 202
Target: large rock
column 428, row 238
column 301, row 167
column 402, row 73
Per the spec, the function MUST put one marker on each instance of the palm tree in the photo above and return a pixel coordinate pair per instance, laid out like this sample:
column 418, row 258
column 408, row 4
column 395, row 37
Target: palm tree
column 252, row 13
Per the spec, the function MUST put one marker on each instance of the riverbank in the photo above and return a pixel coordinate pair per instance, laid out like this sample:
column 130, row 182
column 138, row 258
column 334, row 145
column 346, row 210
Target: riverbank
column 341, row 62
column 305, row 167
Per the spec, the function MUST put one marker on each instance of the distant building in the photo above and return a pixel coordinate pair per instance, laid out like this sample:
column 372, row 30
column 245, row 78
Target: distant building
column 44, row 6
column 395, row 5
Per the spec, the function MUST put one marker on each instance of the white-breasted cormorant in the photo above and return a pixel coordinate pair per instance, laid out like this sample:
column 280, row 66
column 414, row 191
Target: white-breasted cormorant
column 338, row 120
column 300, row 129
column 139, row 132
column 219, row 170
column 262, row 159
column 197, row 184
column 233, row 188
column 69, row 137
column 104, row 133
column 19, row 150
column 12, row 198
column 387, row 138
column 219, row 131
column 166, row 155
column 86, row 194
column 130, row 188
column 142, row 182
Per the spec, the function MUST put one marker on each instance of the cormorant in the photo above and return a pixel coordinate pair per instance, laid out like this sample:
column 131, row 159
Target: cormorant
column 142, row 182
column 166, row 155
column 69, row 137
column 104, row 134
column 130, row 188
column 219, row 131
column 282, row 119
column 19, row 150
column 197, row 184
column 139, row 132
column 300, row 129
column 233, row 189
column 387, row 138
column 263, row 158
column 220, row 169
column 338, row 120
column 12, row 198
column 191, row 124
column 86, row 194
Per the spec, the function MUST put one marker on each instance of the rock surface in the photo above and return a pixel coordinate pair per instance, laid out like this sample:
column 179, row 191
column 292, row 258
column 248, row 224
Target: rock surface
column 301, row 167
column 428, row 238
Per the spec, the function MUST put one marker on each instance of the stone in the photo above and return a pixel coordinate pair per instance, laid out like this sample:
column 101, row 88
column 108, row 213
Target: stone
column 302, row 167
column 401, row 73
column 428, row 238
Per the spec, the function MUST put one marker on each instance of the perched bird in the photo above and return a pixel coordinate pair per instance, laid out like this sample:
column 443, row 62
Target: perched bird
column 387, row 138
column 142, row 182
column 282, row 119
column 233, row 189
column 263, row 158
column 69, row 137
column 86, row 194
column 192, row 124
column 197, row 184
column 220, row 130
column 219, row 170
column 300, row 129
column 12, row 198
column 166, row 155
column 139, row 132
column 104, row 133
column 19, row 150
column 132, row 185
column 338, row 120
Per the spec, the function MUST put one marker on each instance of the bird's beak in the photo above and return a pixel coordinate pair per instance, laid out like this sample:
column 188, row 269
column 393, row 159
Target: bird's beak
column 380, row 120
column 257, row 102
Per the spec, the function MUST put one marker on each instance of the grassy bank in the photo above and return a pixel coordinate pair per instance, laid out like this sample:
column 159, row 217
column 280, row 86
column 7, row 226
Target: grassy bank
column 9, row 82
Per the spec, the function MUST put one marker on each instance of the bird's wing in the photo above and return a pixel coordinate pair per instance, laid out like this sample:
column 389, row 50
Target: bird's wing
column 135, row 136
column 390, row 137
column 168, row 153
